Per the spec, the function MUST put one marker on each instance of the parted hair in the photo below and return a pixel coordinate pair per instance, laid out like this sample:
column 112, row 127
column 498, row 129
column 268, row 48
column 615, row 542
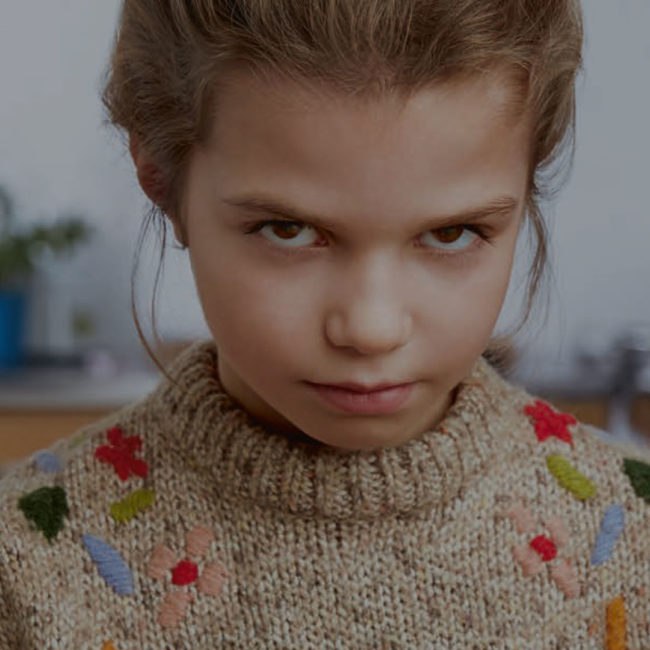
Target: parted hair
column 169, row 58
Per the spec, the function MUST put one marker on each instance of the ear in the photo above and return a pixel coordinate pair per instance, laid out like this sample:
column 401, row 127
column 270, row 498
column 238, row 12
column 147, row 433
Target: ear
column 150, row 175
column 152, row 180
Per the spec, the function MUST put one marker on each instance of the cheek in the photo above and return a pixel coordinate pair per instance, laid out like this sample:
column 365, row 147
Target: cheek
column 488, row 302
column 242, row 305
column 472, row 309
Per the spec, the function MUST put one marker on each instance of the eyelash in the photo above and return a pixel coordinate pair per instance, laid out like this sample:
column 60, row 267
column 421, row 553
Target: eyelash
column 483, row 234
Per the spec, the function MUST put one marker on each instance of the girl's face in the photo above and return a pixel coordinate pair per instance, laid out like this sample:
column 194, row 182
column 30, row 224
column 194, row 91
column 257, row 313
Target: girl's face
column 376, row 273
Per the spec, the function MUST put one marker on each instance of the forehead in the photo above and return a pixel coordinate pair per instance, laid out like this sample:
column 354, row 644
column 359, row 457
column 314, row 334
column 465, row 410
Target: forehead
column 370, row 153
column 499, row 92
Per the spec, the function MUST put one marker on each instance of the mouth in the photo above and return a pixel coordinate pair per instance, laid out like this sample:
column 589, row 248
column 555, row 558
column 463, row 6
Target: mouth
column 363, row 389
column 378, row 402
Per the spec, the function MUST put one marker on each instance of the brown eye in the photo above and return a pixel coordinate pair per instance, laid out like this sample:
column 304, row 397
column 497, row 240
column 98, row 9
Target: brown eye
column 281, row 230
column 450, row 235
column 285, row 229
column 291, row 231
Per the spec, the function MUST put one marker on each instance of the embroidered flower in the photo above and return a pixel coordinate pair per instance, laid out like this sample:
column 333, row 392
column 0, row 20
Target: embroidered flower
column 542, row 549
column 550, row 423
column 184, row 573
column 120, row 454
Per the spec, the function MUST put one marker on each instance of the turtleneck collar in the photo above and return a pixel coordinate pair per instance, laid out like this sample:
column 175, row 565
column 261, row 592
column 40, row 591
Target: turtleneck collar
column 215, row 436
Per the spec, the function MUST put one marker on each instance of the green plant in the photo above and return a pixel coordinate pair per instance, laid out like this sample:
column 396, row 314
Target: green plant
column 20, row 250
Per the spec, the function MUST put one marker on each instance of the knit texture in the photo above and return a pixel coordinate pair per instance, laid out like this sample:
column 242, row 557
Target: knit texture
column 181, row 522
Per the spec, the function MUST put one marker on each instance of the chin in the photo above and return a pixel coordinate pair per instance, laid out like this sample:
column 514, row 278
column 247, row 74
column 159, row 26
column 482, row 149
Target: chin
column 363, row 443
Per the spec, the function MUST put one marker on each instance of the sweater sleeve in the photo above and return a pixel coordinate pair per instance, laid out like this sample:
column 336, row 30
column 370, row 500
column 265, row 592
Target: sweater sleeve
column 9, row 620
column 628, row 614
column 632, row 611
column 12, row 621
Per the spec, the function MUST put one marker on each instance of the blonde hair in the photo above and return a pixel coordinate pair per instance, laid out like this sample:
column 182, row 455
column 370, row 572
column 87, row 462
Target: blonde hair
column 169, row 57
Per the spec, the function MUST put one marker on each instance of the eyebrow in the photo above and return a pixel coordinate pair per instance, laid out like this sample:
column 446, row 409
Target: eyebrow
column 501, row 206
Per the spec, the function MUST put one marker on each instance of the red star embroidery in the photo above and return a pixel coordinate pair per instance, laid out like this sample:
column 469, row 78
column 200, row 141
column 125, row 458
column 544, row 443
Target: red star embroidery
column 549, row 422
column 120, row 454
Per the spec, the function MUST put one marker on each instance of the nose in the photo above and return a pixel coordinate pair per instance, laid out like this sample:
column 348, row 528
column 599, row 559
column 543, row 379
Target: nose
column 370, row 314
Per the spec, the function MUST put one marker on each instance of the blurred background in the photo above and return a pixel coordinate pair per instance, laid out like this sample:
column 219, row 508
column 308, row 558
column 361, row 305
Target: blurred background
column 71, row 210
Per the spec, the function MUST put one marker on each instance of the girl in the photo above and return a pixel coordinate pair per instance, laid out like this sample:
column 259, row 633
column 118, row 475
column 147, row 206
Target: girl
column 341, row 465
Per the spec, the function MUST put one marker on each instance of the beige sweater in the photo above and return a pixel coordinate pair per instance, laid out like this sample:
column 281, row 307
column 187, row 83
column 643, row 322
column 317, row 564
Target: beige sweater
column 179, row 522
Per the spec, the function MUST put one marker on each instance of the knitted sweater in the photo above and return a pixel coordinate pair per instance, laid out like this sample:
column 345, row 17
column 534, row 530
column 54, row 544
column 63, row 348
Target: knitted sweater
column 180, row 522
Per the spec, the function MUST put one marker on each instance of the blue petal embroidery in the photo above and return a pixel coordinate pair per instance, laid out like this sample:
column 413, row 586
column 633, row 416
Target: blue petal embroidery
column 610, row 530
column 110, row 564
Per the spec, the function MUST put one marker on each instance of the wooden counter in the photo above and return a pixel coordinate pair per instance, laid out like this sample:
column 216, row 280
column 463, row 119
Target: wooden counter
column 24, row 432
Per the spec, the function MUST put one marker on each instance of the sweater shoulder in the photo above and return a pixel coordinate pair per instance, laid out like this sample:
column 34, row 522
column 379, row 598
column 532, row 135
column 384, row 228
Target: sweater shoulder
column 535, row 440
column 619, row 471
column 562, row 439
column 63, row 460
column 53, row 515
column 545, row 453
column 44, row 495
column 573, row 505
column 538, row 424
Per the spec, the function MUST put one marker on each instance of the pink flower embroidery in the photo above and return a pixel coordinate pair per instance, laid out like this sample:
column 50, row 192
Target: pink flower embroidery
column 184, row 573
column 543, row 549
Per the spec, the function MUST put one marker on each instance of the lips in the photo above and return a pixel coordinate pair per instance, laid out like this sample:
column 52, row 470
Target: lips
column 378, row 402
column 361, row 388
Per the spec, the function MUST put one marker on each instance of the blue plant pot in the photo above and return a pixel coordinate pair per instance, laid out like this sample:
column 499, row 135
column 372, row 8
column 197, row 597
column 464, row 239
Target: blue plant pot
column 12, row 327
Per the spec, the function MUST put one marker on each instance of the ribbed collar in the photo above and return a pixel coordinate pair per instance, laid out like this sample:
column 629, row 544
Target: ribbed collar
column 218, row 438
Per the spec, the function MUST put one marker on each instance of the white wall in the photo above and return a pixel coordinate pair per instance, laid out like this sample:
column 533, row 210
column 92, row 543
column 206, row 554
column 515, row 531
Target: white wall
column 601, row 223
column 56, row 155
